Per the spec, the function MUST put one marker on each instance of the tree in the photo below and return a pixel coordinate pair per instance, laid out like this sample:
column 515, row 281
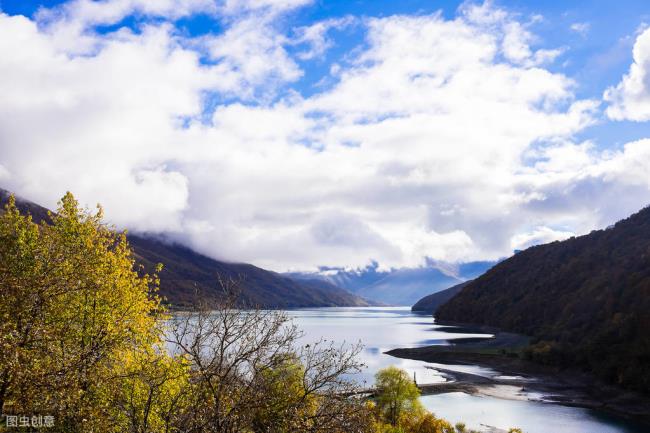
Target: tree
column 150, row 392
column 397, row 394
column 430, row 424
column 76, row 319
column 250, row 374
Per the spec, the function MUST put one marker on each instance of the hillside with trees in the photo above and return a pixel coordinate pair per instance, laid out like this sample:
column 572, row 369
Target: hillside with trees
column 585, row 300
column 187, row 274
column 430, row 303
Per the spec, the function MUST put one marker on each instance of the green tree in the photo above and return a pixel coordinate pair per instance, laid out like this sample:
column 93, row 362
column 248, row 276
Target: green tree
column 397, row 394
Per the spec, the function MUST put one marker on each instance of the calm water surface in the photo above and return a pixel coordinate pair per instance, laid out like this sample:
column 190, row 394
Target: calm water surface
column 384, row 328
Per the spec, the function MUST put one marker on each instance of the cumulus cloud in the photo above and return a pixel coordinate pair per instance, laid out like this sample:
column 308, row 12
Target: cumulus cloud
column 630, row 99
column 255, row 54
column 513, row 35
column 436, row 139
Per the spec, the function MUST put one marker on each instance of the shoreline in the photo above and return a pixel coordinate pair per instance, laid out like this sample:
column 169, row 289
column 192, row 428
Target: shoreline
column 517, row 379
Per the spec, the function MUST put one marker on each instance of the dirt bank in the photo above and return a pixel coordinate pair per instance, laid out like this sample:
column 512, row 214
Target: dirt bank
column 519, row 379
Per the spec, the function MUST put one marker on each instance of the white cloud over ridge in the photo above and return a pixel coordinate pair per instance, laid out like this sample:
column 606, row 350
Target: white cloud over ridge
column 630, row 99
column 440, row 139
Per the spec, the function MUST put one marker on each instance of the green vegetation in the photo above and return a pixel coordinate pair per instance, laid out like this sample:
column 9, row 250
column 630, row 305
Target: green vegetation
column 398, row 394
column 586, row 302
column 85, row 342
column 397, row 409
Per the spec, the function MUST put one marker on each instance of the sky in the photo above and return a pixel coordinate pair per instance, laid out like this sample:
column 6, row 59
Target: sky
column 301, row 134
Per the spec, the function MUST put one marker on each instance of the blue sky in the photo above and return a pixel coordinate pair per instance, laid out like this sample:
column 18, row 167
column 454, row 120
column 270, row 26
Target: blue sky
column 359, row 131
column 602, row 57
column 596, row 59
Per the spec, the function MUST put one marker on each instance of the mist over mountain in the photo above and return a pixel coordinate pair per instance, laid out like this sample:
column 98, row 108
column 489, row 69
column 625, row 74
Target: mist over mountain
column 187, row 274
column 403, row 286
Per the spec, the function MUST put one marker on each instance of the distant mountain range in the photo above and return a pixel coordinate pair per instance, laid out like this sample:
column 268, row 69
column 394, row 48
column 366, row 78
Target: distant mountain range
column 187, row 274
column 585, row 300
column 402, row 286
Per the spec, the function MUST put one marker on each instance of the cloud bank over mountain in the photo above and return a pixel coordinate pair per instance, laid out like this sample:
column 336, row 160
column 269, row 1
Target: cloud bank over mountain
column 432, row 138
column 630, row 99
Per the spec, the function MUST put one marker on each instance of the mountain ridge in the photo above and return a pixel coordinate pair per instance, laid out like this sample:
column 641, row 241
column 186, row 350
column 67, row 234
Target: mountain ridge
column 187, row 274
column 585, row 300
column 401, row 286
column 430, row 303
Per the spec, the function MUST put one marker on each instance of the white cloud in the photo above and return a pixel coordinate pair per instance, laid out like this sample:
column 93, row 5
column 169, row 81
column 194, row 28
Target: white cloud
column 70, row 25
column 254, row 52
column 315, row 36
column 234, row 7
column 92, row 12
column 439, row 139
column 514, row 36
column 630, row 99
column 483, row 13
column 104, row 122
column 581, row 28
column 4, row 174
column 539, row 235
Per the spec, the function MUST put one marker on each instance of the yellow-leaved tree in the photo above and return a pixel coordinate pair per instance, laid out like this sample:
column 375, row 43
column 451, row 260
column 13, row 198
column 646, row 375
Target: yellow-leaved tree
column 80, row 336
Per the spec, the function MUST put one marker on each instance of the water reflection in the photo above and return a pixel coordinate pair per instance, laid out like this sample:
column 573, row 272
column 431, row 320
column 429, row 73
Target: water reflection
column 532, row 417
column 383, row 329
column 379, row 330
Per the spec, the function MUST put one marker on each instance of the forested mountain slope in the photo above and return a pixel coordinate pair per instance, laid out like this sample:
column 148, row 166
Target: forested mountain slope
column 187, row 274
column 586, row 300
column 430, row 303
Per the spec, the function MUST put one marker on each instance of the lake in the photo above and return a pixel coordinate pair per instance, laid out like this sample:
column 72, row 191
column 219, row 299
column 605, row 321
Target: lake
column 381, row 329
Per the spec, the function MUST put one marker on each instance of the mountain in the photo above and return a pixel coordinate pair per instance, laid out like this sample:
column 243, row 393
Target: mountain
column 585, row 300
column 351, row 280
column 187, row 273
column 402, row 286
column 406, row 286
column 430, row 303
